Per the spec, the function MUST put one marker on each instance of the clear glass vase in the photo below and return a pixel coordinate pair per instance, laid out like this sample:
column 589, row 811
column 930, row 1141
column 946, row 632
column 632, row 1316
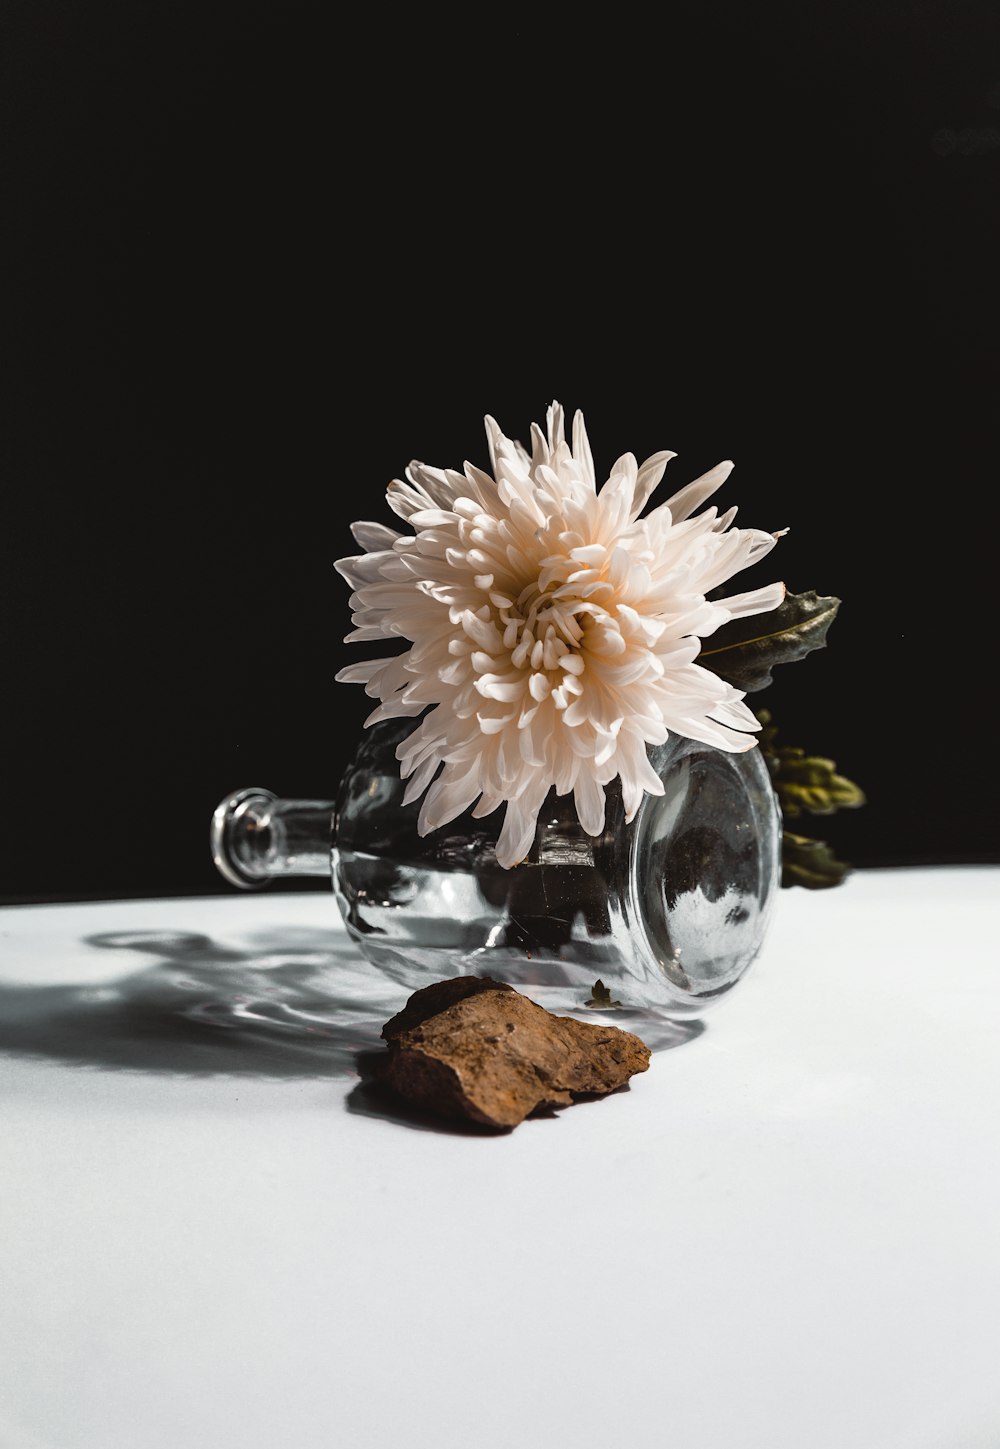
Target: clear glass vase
column 663, row 915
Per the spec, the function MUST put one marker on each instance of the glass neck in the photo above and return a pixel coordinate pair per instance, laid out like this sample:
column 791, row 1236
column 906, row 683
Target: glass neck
column 256, row 837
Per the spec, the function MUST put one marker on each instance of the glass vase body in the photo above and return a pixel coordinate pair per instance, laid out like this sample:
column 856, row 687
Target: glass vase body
column 664, row 914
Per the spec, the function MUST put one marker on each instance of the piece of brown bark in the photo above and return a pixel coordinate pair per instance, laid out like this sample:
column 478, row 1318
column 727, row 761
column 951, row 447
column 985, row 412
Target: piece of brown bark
column 474, row 1048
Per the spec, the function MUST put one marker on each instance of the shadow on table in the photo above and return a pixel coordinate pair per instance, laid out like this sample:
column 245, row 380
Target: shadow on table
column 292, row 1004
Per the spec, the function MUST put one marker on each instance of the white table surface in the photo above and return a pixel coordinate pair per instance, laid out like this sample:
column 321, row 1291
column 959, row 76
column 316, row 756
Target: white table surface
column 784, row 1235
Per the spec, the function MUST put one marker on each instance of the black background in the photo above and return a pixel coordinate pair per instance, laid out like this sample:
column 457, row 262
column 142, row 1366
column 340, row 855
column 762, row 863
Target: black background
column 259, row 258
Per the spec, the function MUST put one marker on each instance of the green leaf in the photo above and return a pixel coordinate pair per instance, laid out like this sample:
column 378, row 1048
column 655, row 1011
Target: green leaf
column 805, row 783
column 600, row 996
column 809, row 784
column 809, row 863
column 745, row 650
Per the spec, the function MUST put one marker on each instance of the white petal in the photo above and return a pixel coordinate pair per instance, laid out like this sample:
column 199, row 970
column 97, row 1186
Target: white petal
column 735, row 713
column 692, row 496
column 359, row 673
column 366, row 633
column 517, row 836
column 493, row 724
column 446, row 798
column 589, row 798
column 482, row 632
column 491, row 800
column 648, row 479
column 420, row 779
column 709, row 733
column 581, row 450
column 555, row 422
column 432, row 518
column 757, row 601
column 374, row 536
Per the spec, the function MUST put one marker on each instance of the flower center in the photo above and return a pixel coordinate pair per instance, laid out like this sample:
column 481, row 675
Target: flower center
column 542, row 630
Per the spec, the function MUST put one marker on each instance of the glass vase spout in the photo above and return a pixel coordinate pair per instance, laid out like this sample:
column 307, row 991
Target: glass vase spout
column 663, row 914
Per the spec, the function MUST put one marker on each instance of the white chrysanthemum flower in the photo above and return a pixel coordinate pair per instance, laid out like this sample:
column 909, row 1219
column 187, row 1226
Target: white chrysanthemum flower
column 552, row 631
